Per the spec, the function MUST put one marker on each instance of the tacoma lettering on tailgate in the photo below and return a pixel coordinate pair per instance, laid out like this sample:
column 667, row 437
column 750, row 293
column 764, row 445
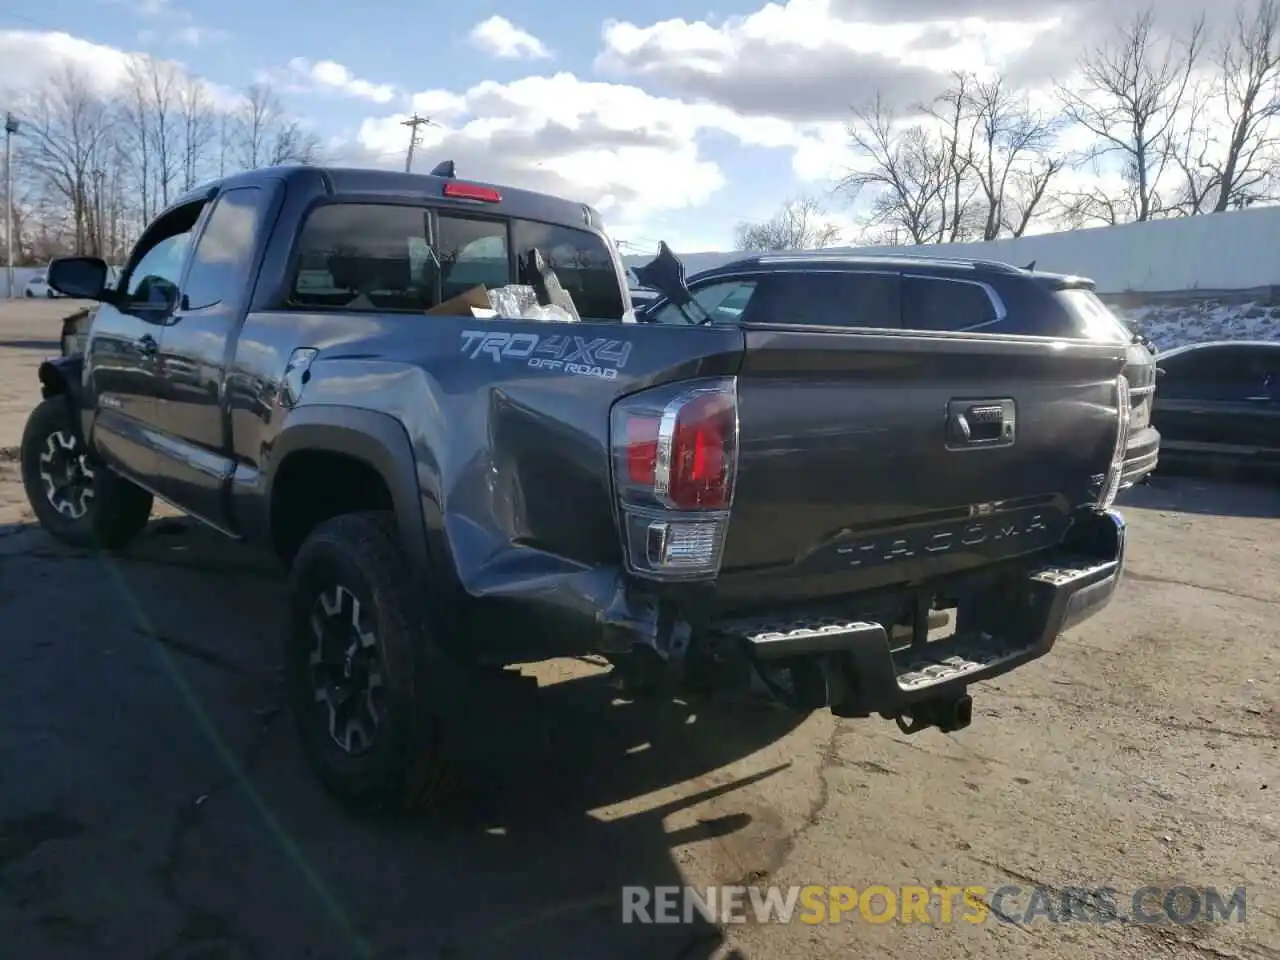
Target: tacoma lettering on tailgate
column 1015, row 532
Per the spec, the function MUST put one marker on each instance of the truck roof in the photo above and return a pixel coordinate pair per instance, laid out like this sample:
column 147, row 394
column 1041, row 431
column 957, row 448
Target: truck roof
column 393, row 184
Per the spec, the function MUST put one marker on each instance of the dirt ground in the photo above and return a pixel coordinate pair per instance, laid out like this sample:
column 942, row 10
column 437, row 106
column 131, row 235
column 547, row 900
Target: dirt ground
column 153, row 803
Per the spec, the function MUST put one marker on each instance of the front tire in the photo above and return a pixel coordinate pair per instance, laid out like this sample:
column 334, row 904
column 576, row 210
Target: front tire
column 361, row 670
column 79, row 502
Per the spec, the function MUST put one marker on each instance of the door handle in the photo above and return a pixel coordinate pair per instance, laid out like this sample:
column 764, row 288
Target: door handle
column 147, row 345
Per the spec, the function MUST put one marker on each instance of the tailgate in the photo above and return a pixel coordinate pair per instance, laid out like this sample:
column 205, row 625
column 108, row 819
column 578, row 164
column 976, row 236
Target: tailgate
column 855, row 471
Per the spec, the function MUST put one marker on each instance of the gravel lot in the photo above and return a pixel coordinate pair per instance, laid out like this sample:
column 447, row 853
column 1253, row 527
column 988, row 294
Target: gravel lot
column 153, row 804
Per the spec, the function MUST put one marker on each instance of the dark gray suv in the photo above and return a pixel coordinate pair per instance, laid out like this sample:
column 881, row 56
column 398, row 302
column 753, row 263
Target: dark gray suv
column 923, row 293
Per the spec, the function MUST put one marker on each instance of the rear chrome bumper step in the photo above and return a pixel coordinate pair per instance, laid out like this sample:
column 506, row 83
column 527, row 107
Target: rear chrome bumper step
column 866, row 675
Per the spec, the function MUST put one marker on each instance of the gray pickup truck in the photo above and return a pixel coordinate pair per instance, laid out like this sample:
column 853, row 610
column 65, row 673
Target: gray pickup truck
column 433, row 400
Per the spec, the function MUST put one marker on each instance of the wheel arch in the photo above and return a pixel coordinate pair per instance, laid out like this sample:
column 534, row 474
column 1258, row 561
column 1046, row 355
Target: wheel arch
column 375, row 441
column 63, row 377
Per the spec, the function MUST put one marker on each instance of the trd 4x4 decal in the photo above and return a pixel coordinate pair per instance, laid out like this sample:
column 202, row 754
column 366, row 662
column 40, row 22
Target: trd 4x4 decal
column 580, row 356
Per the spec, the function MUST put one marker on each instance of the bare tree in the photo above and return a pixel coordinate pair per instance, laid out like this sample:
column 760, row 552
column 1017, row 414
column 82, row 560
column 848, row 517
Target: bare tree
column 1132, row 101
column 799, row 225
column 265, row 136
column 1027, row 192
column 957, row 128
column 198, row 128
column 137, row 123
column 1010, row 156
column 70, row 136
column 976, row 163
column 294, row 143
column 1232, row 163
column 902, row 169
column 162, row 81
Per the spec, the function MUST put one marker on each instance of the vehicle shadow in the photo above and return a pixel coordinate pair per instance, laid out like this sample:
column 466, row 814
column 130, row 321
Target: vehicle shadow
column 1204, row 489
column 199, row 814
column 50, row 345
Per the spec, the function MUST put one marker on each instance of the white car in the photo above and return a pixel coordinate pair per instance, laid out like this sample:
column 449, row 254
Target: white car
column 38, row 286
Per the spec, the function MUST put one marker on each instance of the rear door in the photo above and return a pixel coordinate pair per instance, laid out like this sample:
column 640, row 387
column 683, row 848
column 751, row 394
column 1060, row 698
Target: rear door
column 1216, row 399
column 822, row 298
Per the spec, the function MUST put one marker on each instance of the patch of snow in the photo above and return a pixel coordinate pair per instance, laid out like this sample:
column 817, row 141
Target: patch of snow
column 1171, row 325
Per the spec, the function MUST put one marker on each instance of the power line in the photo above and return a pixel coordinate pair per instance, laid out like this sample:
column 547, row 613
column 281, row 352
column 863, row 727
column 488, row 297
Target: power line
column 413, row 123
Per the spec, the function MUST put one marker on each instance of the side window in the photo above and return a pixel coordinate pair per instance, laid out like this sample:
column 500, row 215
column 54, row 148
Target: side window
column 1212, row 373
column 583, row 262
column 936, row 303
column 152, row 282
column 472, row 253
column 833, row 299
column 724, row 300
column 1244, row 369
column 225, row 249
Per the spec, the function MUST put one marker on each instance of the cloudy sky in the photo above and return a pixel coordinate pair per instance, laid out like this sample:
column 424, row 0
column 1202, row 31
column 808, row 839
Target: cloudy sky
column 676, row 120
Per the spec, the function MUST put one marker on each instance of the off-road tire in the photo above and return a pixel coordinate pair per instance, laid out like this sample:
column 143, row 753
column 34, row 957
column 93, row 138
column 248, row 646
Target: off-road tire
column 403, row 769
column 116, row 512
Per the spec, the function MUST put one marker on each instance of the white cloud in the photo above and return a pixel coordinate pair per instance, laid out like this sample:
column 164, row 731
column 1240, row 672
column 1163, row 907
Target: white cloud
column 626, row 152
column 190, row 36
column 327, row 76
column 499, row 37
column 196, row 36
column 805, row 60
column 158, row 13
column 31, row 59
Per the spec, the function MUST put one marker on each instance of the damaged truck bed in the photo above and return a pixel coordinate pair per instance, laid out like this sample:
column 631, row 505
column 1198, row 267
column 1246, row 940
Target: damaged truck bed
column 432, row 400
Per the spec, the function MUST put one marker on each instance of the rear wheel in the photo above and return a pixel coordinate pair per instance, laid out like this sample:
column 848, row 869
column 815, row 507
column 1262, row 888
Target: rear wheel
column 81, row 503
column 365, row 679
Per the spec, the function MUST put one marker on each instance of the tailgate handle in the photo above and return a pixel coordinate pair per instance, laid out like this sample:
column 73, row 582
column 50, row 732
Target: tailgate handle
column 980, row 423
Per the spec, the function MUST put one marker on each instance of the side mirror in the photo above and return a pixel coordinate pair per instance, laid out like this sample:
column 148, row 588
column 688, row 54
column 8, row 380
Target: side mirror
column 82, row 278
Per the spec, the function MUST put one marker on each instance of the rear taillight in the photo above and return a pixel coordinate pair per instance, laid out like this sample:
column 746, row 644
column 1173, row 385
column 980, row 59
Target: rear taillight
column 675, row 456
column 1115, row 470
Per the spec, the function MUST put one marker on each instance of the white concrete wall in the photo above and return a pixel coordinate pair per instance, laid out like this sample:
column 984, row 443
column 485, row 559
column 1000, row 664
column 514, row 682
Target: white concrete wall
column 1238, row 250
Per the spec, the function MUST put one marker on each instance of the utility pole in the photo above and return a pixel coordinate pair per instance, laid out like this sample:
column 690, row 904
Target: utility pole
column 10, row 128
column 413, row 123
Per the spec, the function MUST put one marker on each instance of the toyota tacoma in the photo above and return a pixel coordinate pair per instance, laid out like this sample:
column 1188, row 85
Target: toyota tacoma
column 433, row 400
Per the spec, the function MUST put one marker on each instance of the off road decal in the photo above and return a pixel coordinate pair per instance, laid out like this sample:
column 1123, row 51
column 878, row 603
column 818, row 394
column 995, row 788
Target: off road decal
column 597, row 357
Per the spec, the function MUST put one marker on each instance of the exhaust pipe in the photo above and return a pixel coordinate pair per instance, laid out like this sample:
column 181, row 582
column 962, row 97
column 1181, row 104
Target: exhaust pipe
column 948, row 715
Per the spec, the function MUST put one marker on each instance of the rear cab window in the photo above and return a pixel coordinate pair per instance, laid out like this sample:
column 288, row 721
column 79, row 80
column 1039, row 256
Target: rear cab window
column 411, row 258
